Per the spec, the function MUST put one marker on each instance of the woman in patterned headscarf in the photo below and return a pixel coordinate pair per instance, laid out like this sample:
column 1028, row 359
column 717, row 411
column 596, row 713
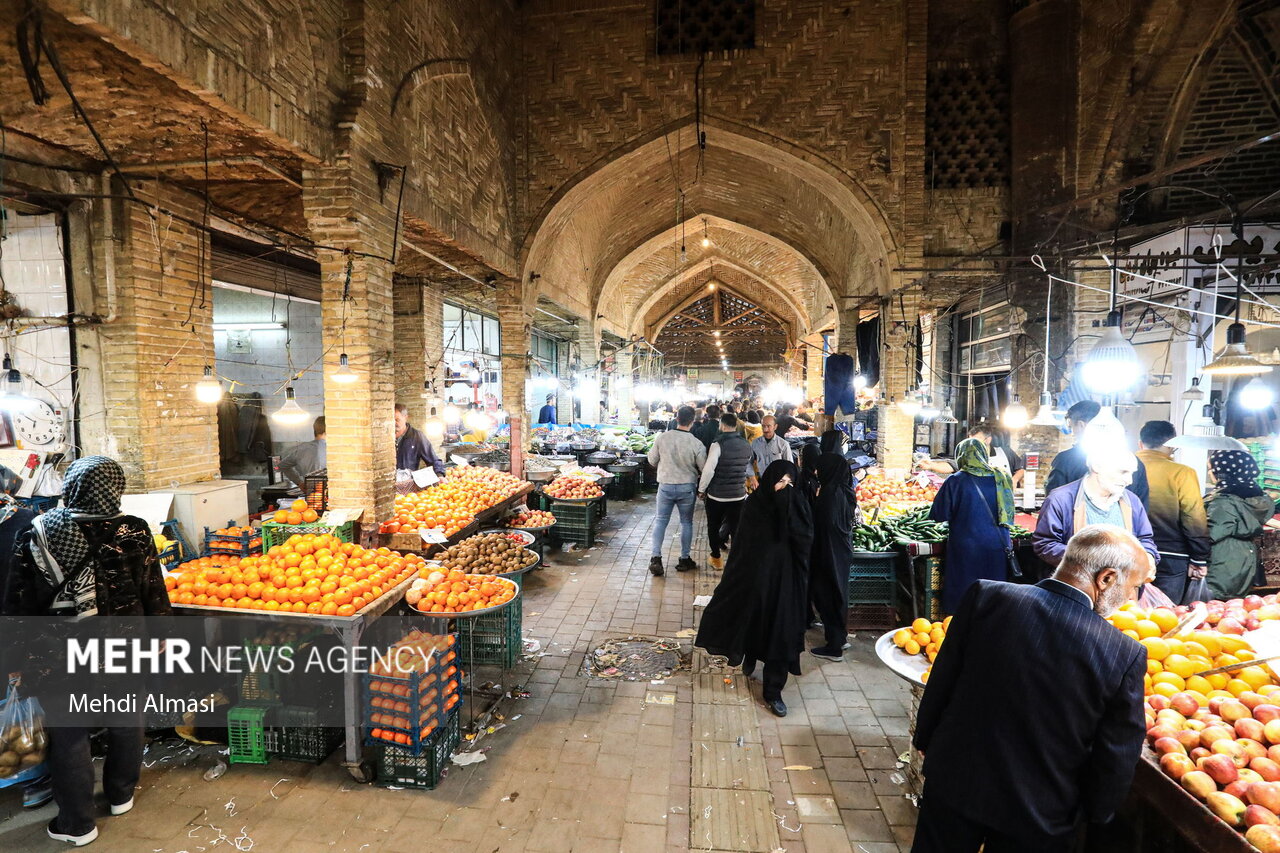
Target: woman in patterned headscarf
column 1236, row 509
column 977, row 500
column 78, row 562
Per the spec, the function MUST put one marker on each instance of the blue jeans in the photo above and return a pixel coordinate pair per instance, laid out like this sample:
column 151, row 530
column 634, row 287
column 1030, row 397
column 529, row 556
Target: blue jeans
column 685, row 497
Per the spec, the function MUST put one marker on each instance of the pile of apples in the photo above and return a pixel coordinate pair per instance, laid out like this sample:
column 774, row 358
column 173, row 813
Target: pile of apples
column 1237, row 615
column 878, row 490
column 573, row 489
column 531, row 518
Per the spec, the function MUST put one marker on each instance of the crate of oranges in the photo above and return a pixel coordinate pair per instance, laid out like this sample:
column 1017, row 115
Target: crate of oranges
column 398, row 767
column 300, row 519
column 409, row 698
column 308, row 574
column 233, row 541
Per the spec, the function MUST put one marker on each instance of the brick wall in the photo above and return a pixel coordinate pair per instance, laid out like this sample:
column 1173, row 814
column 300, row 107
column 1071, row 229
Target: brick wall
column 155, row 349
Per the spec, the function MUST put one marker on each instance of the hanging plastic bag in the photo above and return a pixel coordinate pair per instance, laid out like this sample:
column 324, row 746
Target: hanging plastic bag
column 23, row 742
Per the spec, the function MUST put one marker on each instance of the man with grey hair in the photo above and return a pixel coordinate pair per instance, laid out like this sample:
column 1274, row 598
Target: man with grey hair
column 1100, row 497
column 1020, row 779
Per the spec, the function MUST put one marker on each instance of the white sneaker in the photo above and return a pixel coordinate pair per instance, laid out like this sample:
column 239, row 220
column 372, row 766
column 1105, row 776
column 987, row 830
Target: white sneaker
column 122, row 808
column 74, row 840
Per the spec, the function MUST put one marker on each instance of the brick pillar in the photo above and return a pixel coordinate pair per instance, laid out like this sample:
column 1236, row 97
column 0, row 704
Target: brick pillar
column 896, row 366
column 623, row 386
column 515, row 321
column 813, row 364
column 410, row 355
column 346, row 214
column 589, row 350
column 155, row 347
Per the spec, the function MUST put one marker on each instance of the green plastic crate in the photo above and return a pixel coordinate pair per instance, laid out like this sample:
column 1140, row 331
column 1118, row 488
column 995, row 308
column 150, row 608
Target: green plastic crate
column 246, row 733
column 623, row 487
column 575, row 522
column 275, row 534
column 400, row 768
column 496, row 638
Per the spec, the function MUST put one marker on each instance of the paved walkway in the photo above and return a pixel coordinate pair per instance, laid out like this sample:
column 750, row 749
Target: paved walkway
column 590, row 765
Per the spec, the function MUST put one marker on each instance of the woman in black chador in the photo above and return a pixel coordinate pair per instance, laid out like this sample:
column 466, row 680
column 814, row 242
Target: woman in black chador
column 832, row 552
column 758, row 611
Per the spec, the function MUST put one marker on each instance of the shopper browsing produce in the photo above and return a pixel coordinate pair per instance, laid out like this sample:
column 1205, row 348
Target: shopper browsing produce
column 1236, row 509
column 977, row 503
column 412, row 447
column 1008, row 647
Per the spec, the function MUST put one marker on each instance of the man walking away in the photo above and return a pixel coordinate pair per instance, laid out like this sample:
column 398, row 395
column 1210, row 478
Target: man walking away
column 678, row 457
column 1176, row 510
column 767, row 449
column 724, row 484
column 1008, row 646
column 709, row 429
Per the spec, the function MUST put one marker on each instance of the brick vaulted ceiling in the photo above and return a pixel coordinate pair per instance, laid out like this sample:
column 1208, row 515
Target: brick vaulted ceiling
column 746, row 333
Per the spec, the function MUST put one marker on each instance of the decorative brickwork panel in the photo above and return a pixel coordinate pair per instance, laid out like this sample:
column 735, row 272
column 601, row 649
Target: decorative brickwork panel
column 967, row 126
column 704, row 26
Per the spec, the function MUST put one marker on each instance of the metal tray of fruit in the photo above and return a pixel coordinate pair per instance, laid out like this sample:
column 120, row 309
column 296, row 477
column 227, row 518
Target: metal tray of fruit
column 542, row 528
column 534, row 560
column 907, row 667
column 526, row 540
column 468, row 614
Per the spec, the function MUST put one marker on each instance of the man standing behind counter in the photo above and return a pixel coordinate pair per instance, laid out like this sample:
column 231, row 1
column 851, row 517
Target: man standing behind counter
column 305, row 458
column 412, row 447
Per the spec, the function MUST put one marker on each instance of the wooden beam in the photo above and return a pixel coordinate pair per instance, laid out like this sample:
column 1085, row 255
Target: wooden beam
column 689, row 317
column 715, row 306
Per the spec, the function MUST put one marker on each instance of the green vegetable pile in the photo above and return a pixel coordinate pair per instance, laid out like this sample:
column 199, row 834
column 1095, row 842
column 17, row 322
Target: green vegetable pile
column 1019, row 532
column 637, row 443
column 913, row 526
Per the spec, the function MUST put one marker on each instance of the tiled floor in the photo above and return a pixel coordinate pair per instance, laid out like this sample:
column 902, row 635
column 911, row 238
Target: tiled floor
column 583, row 764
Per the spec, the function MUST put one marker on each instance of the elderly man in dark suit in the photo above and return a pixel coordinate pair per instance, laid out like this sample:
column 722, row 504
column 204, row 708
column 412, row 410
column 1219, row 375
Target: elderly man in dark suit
column 1032, row 719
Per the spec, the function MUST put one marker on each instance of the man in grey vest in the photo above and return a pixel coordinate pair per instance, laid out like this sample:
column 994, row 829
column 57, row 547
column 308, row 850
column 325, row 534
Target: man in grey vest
column 724, row 484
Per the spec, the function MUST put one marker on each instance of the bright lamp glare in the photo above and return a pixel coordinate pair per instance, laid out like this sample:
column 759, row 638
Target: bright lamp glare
column 1112, row 364
column 1256, row 395
column 1015, row 415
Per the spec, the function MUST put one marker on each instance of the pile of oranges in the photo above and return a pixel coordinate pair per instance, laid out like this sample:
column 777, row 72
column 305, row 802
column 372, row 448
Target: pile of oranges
column 312, row 574
column 1173, row 662
column 457, row 592
column 454, row 502
column 255, row 543
column 297, row 513
column 923, row 637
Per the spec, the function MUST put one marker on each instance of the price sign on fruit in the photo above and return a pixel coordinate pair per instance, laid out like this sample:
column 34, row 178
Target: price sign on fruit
column 433, row 536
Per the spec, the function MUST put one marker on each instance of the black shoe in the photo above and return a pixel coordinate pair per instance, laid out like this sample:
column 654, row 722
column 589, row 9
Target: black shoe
column 686, row 564
column 827, row 653
column 74, row 840
column 655, row 567
column 777, row 706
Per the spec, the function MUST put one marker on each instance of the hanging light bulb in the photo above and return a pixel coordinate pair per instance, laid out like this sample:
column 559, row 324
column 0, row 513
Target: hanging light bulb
column 1046, row 415
column 208, row 389
column 434, row 428
column 910, row 405
column 344, row 375
column 1256, row 395
column 1235, row 359
column 859, row 382
column 1112, row 365
column 451, row 414
column 1195, row 392
column 928, row 410
column 11, row 397
column 946, row 416
column 1015, row 414
column 290, row 414
column 706, row 238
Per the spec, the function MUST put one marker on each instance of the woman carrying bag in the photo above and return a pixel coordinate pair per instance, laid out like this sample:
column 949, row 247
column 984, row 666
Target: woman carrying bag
column 977, row 500
column 83, row 561
column 1236, row 510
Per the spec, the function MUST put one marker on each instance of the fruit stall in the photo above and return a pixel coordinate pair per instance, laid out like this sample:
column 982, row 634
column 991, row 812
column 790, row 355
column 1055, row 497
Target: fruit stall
column 1210, row 767
column 466, row 499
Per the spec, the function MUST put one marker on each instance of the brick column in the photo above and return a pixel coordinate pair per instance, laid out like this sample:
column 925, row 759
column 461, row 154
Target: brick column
column 589, row 349
column 515, row 320
column 896, row 366
column 813, row 367
column 623, row 386
column 347, row 215
column 156, row 345
column 419, row 343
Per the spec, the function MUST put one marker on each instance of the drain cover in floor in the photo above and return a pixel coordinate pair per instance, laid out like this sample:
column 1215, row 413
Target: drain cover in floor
column 634, row 658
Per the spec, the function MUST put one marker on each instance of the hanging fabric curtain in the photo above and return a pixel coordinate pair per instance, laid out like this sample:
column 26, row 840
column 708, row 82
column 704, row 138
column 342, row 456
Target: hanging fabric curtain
column 868, row 340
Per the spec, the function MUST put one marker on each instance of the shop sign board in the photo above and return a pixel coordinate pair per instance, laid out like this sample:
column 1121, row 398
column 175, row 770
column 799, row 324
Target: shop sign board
column 1187, row 258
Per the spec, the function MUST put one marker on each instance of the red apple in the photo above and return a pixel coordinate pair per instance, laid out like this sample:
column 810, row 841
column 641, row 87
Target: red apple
column 1221, row 768
column 1236, row 788
column 1232, row 710
column 1195, row 725
column 1184, row 703
column 1158, row 702
column 1252, row 749
column 1231, row 749
column 1227, row 807
column 1251, row 700
column 1229, row 625
column 1265, row 794
column 1271, row 731
column 1264, row 838
column 1189, row 738
column 1250, row 728
column 1198, row 783
column 1198, row 753
column 1210, row 735
column 1160, row 730
column 1252, row 623
column 1258, row 816
column 1168, row 744
column 1253, row 602
column 1175, row 765
column 1267, row 768
column 1266, row 712
column 1248, row 775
